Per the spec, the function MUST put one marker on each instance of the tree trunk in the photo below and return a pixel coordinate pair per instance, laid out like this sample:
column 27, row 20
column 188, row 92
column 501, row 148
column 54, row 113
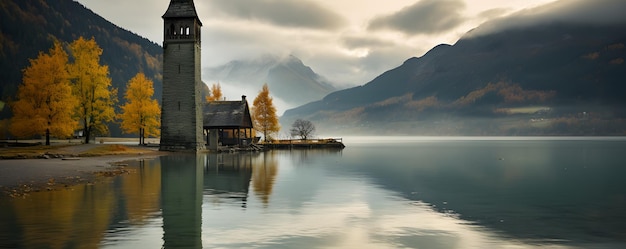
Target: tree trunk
column 48, row 136
column 141, row 140
column 86, row 133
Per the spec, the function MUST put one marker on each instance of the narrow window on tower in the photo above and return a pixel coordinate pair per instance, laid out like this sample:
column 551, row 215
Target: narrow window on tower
column 179, row 68
column 178, row 105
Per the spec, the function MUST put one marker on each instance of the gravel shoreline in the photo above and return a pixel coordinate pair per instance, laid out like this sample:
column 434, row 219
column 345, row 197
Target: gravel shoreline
column 18, row 177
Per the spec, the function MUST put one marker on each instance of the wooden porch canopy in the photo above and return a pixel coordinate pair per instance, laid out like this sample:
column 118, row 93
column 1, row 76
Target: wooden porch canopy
column 229, row 119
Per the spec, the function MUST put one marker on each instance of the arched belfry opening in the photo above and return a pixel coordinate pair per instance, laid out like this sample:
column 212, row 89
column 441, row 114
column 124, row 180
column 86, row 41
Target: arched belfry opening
column 181, row 108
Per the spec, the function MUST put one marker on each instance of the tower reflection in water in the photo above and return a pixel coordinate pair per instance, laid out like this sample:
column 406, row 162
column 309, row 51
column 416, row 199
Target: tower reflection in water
column 181, row 201
column 190, row 181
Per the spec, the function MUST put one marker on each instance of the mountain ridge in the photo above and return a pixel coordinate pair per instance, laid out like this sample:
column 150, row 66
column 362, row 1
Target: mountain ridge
column 565, row 66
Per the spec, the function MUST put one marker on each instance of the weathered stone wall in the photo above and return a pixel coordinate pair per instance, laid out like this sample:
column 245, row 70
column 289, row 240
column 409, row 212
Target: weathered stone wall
column 181, row 117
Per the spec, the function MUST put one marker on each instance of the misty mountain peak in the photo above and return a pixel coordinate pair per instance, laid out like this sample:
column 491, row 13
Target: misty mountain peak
column 289, row 79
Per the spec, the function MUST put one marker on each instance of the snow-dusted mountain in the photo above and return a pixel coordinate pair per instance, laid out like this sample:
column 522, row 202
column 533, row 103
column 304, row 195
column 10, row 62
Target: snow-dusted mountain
column 289, row 80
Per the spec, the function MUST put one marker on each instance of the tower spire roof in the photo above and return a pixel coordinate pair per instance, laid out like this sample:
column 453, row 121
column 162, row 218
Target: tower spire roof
column 181, row 9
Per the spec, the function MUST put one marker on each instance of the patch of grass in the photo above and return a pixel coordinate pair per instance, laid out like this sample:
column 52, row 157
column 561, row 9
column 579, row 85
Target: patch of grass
column 111, row 149
column 66, row 150
column 28, row 152
column 526, row 110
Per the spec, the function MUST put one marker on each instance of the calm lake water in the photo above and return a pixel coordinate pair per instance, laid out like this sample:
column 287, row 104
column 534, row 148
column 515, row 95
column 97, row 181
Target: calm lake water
column 378, row 192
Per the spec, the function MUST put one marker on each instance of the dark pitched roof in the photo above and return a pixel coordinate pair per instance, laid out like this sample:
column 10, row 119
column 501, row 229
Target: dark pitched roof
column 226, row 114
column 181, row 9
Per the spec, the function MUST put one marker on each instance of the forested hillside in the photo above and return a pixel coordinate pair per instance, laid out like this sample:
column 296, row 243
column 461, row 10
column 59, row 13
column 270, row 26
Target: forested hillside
column 30, row 26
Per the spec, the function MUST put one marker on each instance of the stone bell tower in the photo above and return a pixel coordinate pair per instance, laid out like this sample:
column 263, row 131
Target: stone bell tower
column 181, row 109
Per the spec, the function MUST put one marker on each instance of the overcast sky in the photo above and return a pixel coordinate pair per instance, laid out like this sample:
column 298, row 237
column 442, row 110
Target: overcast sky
column 348, row 41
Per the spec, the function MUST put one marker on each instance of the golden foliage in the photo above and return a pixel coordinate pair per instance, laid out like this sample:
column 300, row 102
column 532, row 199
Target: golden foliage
column 153, row 62
column 264, row 116
column 264, row 172
column 6, row 44
column 424, row 103
column 4, row 128
column 510, row 93
column 616, row 46
column 349, row 117
column 617, row 61
column 471, row 97
column 133, row 48
column 62, row 216
column 141, row 114
column 394, row 100
column 591, row 56
column 515, row 94
column 216, row 93
column 92, row 87
column 607, row 49
column 142, row 192
column 45, row 101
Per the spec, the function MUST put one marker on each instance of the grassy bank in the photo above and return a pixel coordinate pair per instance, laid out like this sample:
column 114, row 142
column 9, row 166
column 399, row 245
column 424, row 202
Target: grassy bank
column 71, row 149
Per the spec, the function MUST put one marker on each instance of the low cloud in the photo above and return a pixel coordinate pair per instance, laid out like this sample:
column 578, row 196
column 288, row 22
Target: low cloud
column 222, row 43
column 346, row 71
column 581, row 11
column 285, row 13
column 362, row 41
column 597, row 12
column 493, row 13
column 423, row 17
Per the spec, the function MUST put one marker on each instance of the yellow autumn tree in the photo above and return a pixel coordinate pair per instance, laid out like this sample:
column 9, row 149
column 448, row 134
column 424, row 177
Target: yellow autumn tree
column 216, row 93
column 4, row 128
column 141, row 114
column 264, row 116
column 91, row 85
column 44, row 99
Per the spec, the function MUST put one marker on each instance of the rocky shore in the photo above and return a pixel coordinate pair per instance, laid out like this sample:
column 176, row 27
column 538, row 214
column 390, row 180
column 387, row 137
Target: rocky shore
column 64, row 167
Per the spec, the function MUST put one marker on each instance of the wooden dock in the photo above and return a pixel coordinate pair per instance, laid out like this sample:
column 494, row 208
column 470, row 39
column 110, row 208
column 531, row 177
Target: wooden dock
column 327, row 143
